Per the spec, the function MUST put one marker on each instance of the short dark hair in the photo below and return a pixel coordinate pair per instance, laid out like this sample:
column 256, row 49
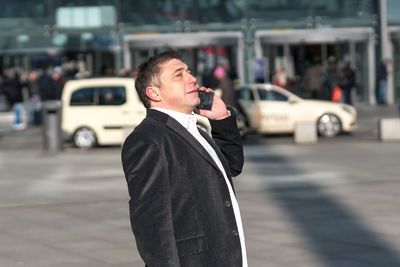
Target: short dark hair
column 149, row 73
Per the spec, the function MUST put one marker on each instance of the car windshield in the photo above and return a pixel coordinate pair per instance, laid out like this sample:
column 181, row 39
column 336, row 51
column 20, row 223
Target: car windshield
column 245, row 94
column 271, row 95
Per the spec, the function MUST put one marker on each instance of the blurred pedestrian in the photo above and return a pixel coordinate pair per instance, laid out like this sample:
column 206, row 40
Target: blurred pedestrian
column 347, row 80
column 382, row 79
column 82, row 71
column 208, row 78
column 133, row 73
column 330, row 77
column 312, row 80
column 33, row 116
column 280, row 78
column 13, row 91
column 183, row 209
column 51, row 85
column 123, row 73
column 225, row 84
column 107, row 71
column 230, row 72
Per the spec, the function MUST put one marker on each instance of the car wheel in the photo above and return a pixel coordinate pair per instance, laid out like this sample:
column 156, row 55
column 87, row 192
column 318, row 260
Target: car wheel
column 329, row 125
column 84, row 138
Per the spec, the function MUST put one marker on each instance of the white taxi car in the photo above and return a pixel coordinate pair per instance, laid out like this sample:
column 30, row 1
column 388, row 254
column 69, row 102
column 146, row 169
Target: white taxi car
column 103, row 111
column 278, row 110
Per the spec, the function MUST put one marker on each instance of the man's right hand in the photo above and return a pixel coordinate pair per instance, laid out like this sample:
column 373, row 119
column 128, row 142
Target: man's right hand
column 218, row 110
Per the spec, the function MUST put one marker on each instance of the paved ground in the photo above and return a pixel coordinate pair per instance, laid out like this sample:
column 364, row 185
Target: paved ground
column 335, row 203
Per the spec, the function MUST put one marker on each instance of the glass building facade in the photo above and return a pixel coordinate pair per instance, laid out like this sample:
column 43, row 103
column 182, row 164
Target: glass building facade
column 108, row 35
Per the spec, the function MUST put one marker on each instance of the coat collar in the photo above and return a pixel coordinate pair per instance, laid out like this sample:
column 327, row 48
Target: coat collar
column 181, row 131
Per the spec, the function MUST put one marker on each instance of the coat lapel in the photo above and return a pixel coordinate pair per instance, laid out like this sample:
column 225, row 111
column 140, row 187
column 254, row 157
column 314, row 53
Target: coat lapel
column 218, row 151
column 181, row 131
column 188, row 137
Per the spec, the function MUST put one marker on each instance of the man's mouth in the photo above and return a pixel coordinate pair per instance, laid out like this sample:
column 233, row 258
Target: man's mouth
column 193, row 91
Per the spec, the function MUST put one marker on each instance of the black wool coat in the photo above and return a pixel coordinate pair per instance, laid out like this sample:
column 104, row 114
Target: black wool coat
column 180, row 207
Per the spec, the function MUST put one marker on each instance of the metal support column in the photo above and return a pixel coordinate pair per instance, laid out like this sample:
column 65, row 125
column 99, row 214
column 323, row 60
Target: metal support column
column 371, row 70
column 127, row 55
column 352, row 50
column 385, row 50
column 240, row 59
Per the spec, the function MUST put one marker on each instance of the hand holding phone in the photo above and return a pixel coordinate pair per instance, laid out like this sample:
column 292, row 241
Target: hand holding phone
column 206, row 100
column 211, row 106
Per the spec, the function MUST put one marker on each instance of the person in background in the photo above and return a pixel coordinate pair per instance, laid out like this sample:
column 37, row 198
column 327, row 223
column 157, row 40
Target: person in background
column 280, row 78
column 82, row 71
column 330, row 77
column 123, row 73
column 13, row 91
column 313, row 80
column 133, row 73
column 208, row 78
column 225, row 84
column 183, row 208
column 34, row 97
column 51, row 85
column 230, row 72
column 347, row 80
column 382, row 79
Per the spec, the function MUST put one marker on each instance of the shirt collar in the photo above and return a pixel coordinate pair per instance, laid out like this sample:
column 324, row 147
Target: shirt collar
column 187, row 120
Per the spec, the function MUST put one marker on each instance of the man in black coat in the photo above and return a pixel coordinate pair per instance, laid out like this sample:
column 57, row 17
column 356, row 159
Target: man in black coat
column 183, row 209
column 347, row 80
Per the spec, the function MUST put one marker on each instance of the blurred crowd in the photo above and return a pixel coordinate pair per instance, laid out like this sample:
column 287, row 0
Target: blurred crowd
column 25, row 91
column 330, row 80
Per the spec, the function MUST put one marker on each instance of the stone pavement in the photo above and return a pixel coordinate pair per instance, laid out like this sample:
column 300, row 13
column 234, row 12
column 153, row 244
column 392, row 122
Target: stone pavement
column 331, row 204
column 334, row 203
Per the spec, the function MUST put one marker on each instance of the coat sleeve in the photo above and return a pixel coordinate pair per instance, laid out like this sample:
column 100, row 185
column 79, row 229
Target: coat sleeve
column 227, row 137
column 146, row 174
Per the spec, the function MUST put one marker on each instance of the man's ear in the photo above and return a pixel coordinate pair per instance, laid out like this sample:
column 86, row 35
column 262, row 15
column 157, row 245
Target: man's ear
column 153, row 93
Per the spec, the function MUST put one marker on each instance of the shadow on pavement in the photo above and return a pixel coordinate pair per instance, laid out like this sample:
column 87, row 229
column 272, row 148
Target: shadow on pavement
column 334, row 233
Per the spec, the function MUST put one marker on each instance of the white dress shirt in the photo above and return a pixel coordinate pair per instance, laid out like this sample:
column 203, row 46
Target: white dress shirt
column 189, row 122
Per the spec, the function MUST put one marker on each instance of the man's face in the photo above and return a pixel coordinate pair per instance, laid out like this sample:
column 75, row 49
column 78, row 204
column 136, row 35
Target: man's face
column 178, row 90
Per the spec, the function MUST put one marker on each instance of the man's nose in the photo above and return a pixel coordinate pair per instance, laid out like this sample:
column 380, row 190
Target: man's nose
column 190, row 78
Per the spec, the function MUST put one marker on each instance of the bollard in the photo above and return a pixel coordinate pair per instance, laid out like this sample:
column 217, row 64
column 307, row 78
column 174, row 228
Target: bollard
column 51, row 127
column 305, row 132
column 389, row 129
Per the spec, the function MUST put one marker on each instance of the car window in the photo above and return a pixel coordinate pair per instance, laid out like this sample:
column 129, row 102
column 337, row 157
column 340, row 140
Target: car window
column 245, row 94
column 103, row 96
column 271, row 95
column 84, row 96
column 115, row 95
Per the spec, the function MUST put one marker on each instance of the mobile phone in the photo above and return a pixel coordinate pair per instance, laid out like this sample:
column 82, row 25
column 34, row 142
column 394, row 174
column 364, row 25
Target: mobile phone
column 206, row 100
